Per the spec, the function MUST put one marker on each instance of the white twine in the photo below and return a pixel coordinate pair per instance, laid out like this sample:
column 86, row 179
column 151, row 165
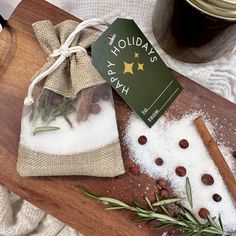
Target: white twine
column 62, row 53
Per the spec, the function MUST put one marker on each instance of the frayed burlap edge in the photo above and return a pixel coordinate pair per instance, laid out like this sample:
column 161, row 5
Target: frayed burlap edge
column 102, row 162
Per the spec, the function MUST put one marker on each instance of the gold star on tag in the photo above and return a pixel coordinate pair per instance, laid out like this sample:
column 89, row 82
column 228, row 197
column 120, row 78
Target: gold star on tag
column 136, row 54
column 128, row 68
column 140, row 66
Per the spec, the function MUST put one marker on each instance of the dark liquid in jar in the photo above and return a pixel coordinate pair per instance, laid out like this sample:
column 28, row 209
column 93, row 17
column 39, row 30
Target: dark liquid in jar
column 189, row 34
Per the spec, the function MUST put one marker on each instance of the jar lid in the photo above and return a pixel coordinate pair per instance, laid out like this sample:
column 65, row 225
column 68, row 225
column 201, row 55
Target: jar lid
column 224, row 9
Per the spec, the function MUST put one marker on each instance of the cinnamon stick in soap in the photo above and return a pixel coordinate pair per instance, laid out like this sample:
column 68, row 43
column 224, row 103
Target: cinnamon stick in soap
column 84, row 104
column 217, row 156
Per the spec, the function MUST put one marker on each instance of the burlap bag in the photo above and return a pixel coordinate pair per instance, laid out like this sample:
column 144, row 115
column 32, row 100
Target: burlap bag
column 70, row 129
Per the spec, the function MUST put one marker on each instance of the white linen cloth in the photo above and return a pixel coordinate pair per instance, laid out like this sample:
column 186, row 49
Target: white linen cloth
column 20, row 218
column 7, row 7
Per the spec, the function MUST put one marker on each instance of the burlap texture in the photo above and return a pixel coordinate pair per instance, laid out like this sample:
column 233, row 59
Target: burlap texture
column 73, row 75
column 101, row 162
column 77, row 71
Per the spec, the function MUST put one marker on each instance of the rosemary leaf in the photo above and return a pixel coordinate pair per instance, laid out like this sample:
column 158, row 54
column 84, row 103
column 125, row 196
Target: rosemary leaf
column 157, row 198
column 220, row 221
column 89, row 194
column 206, row 225
column 166, row 202
column 114, row 208
column 189, row 192
column 212, row 230
column 186, row 210
column 161, row 217
column 141, row 210
column 139, row 205
column 114, row 201
column 185, row 220
column 148, row 202
column 44, row 129
column 67, row 120
column 165, row 210
column 162, row 207
column 213, row 223
column 191, row 218
column 44, row 115
column 145, row 215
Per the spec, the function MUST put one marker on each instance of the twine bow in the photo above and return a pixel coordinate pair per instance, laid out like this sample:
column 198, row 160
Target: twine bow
column 62, row 53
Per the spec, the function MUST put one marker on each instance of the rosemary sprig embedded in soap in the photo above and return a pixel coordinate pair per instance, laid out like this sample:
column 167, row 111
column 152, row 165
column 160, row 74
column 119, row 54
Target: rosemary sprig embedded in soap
column 46, row 110
column 64, row 109
column 183, row 219
column 45, row 129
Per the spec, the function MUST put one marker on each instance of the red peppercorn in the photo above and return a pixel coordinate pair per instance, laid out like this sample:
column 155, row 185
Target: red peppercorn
column 106, row 96
column 180, row 171
column 142, row 140
column 203, row 213
column 135, row 170
column 183, row 143
column 95, row 108
column 207, row 179
column 162, row 183
column 216, row 197
column 164, row 193
column 234, row 154
column 159, row 161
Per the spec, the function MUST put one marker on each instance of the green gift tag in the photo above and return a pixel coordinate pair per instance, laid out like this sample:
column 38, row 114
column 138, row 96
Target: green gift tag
column 128, row 62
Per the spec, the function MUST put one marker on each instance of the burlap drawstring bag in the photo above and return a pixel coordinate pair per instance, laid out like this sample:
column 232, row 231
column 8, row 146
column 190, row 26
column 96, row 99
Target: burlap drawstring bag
column 68, row 123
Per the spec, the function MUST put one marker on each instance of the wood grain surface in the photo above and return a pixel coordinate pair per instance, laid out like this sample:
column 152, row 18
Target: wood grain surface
column 60, row 196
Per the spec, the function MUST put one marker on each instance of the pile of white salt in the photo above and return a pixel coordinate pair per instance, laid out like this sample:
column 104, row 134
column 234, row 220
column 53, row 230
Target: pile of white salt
column 163, row 141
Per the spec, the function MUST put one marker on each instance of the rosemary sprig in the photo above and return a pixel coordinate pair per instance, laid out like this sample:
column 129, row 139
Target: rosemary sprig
column 64, row 109
column 183, row 220
column 47, row 112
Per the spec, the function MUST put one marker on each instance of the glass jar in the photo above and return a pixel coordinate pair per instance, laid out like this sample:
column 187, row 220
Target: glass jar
column 195, row 30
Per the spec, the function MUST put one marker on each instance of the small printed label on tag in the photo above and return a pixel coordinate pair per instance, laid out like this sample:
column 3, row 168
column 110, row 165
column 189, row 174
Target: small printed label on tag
column 129, row 63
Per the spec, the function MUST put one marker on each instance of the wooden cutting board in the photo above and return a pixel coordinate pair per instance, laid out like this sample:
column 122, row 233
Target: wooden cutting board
column 60, row 196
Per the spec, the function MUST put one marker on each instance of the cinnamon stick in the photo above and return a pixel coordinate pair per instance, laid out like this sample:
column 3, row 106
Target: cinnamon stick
column 217, row 156
column 84, row 104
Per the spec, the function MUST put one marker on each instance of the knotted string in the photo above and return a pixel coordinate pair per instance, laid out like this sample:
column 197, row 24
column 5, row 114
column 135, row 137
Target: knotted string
column 62, row 53
column 66, row 52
